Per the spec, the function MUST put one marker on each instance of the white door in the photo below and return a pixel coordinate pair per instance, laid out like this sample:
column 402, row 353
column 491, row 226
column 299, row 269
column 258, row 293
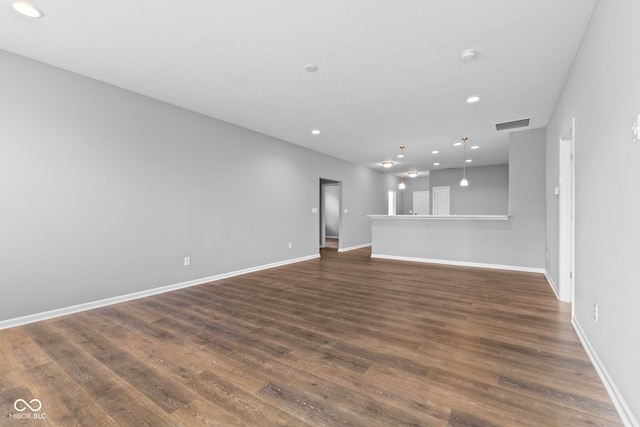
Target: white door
column 391, row 203
column 421, row 203
column 441, row 201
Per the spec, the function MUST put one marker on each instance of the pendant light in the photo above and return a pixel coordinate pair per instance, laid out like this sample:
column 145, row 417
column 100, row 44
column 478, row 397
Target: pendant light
column 401, row 186
column 464, row 182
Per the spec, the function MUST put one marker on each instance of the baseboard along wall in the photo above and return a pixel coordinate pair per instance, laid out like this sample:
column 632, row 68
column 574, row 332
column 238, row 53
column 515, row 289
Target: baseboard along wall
column 10, row 323
column 619, row 402
column 461, row 263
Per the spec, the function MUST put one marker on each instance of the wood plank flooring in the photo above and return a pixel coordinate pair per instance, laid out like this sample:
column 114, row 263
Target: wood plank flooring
column 344, row 340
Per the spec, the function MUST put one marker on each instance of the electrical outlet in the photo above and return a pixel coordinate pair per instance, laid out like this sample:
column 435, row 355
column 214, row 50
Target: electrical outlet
column 596, row 312
column 187, row 261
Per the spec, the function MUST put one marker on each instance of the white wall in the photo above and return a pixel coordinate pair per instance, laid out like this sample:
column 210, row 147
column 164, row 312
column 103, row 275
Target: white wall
column 602, row 92
column 104, row 192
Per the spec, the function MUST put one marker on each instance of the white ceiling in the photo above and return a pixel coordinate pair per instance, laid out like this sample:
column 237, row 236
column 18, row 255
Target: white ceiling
column 389, row 72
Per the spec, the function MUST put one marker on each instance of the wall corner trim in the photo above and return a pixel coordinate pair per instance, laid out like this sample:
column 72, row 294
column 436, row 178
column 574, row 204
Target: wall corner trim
column 623, row 409
column 37, row 317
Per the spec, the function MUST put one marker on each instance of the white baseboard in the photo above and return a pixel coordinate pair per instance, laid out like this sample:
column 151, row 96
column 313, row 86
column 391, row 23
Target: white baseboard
column 351, row 248
column 461, row 263
column 554, row 288
column 623, row 409
column 18, row 321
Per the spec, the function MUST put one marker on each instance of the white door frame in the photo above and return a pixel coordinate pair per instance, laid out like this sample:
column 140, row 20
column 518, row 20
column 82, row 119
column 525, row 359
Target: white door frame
column 567, row 274
column 391, row 202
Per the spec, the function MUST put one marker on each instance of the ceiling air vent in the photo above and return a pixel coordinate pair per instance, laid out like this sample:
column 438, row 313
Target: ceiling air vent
column 513, row 125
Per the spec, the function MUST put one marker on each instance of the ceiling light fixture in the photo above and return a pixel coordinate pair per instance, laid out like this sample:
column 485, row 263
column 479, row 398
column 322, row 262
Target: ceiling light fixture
column 27, row 9
column 315, row 132
column 401, row 186
column 387, row 164
column 311, row 68
column 464, row 182
column 412, row 174
column 436, row 164
column 475, row 147
column 473, row 99
column 435, row 152
column 468, row 55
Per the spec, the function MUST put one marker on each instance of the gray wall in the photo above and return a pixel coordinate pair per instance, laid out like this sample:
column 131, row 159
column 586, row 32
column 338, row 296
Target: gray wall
column 104, row 192
column 526, row 193
column 602, row 92
column 487, row 193
column 413, row 184
column 518, row 242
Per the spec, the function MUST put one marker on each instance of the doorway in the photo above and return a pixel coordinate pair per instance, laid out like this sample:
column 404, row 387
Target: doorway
column 330, row 213
column 566, row 268
column 420, row 203
column 441, row 201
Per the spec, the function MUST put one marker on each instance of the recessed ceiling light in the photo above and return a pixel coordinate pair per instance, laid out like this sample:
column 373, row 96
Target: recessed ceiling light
column 457, row 144
column 435, row 152
column 315, row 132
column 475, row 147
column 473, row 99
column 436, row 164
column 469, row 160
column 312, row 68
column 468, row 55
column 387, row 164
column 27, row 9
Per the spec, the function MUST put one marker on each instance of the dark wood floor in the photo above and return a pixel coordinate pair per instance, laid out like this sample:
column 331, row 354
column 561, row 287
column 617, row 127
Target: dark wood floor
column 341, row 340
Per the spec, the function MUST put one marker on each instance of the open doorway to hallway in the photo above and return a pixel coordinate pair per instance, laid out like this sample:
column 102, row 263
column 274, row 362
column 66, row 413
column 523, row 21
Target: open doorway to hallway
column 330, row 209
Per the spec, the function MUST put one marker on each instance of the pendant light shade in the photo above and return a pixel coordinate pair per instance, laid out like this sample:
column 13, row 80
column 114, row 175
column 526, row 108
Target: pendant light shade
column 464, row 182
